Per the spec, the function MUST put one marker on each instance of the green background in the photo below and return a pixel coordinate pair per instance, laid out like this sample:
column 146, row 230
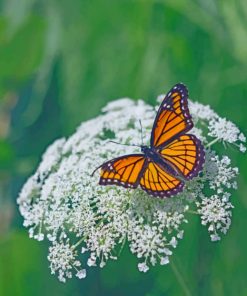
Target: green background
column 60, row 62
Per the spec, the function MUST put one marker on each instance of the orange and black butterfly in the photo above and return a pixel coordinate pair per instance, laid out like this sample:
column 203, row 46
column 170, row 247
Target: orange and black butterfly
column 172, row 158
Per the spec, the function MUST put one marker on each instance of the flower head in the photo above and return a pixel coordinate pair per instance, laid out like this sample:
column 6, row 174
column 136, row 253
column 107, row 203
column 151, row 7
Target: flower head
column 64, row 204
column 62, row 257
column 227, row 132
column 216, row 213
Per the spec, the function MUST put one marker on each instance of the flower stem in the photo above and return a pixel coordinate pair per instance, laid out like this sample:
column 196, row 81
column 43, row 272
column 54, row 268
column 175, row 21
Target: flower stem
column 122, row 246
column 79, row 242
column 192, row 212
column 212, row 142
column 180, row 279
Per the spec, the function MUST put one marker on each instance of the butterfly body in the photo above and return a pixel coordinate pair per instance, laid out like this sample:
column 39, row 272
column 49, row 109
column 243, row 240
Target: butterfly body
column 149, row 152
column 152, row 155
column 172, row 157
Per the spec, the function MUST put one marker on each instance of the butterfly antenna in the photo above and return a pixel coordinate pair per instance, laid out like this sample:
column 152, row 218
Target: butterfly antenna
column 141, row 132
column 133, row 145
column 95, row 170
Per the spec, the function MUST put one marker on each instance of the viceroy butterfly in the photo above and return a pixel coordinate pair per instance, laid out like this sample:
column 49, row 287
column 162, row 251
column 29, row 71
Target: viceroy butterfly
column 172, row 158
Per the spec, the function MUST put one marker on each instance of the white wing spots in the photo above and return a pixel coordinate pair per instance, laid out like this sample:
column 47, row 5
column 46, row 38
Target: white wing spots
column 109, row 165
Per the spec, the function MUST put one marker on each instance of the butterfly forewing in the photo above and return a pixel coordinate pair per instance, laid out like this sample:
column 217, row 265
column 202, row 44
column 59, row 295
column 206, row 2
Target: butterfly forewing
column 173, row 117
column 124, row 171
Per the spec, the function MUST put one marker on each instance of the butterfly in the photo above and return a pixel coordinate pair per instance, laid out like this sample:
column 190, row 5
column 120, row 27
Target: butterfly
column 172, row 158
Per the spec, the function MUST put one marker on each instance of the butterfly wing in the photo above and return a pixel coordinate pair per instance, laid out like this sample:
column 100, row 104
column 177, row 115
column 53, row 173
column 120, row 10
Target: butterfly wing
column 157, row 182
column 125, row 171
column 173, row 117
column 185, row 154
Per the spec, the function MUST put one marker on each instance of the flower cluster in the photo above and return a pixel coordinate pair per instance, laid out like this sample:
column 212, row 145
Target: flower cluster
column 62, row 257
column 88, row 224
column 216, row 212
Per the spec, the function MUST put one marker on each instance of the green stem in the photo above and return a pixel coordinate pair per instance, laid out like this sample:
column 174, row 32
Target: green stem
column 79, row 242
column 212, row 142
column 122, row 246
column 180, row 279
column 192, row 212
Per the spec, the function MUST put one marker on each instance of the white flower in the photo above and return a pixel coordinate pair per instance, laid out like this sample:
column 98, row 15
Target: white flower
column 164, row 260
column 216, row 214
column 180, row 235
column 62, row 259
column 200, row 111
column 83, row 250
column 226, row 131
column 92, row 260
column 143, row 267
column 173, row 242
column 242, row 137
column 64, row 204
column 242, row 148
column 81, row 274
column 223, row 129
column 52, row 157
column 224, row 176
column 214, row 237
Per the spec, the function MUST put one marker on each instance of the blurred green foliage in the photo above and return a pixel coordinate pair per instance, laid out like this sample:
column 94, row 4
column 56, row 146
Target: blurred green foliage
column 60, row 62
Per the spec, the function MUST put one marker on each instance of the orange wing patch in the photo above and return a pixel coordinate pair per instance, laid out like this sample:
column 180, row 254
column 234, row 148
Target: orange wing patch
column 186, row 154
column 157, row 182
column 123, row 171
column 168, row 125
column 173, row 117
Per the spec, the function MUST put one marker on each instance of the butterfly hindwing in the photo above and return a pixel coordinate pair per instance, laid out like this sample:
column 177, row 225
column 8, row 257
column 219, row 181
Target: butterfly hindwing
column 157, row 182
column 173, row 117
column 124, row 171
column 186, row 154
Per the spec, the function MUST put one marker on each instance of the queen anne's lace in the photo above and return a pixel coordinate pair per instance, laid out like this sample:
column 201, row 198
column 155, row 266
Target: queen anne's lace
column 216, row 213
column 63, row 203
